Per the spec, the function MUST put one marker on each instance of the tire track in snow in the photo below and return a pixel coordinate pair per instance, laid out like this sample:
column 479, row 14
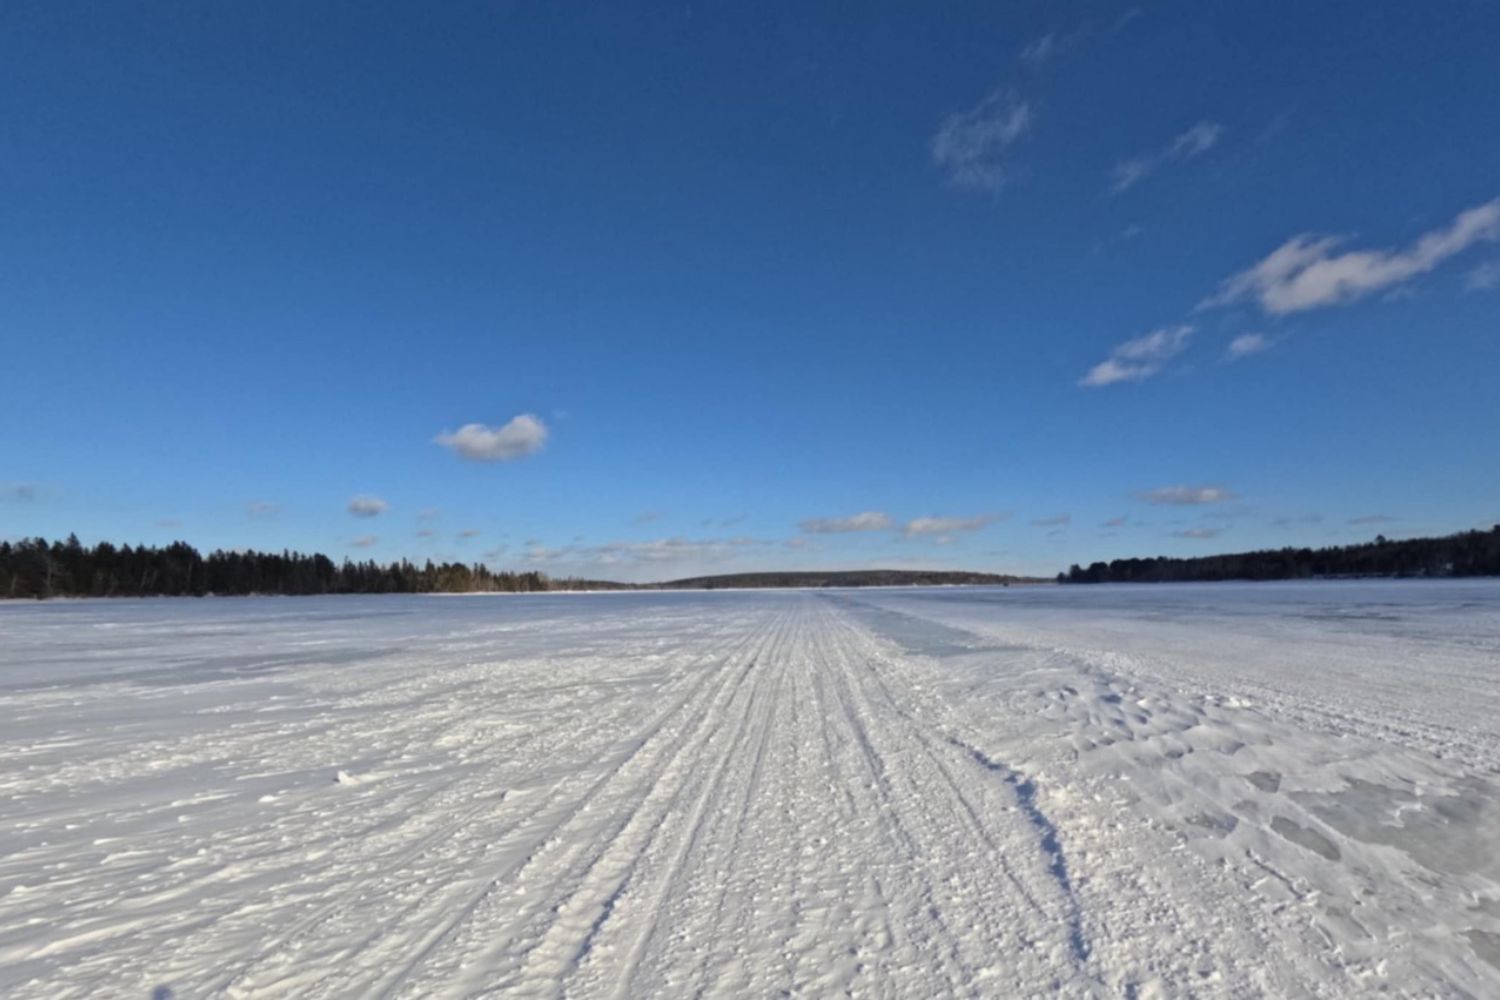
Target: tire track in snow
column 762, row 706
column 891, row 806
column 633, row 856
column 795, row 906
column 1023, row 790
column 741, row 813
column 622, row 857
column 560, row 861
column 286, row 943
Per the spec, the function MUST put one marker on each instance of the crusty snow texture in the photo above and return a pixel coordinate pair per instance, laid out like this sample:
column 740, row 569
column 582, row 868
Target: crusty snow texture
column 1236, row 790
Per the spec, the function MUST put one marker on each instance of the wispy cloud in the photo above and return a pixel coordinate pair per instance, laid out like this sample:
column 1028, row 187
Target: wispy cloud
column 1484, row 278
column 1194, row 142
column 469, row 533
column 972, row 146
column 1247, row 344
column 1045, row 48
column 870, row 520
column 1199, row 533
column 647, row 516
column 1139, row 359
column 1040, row 49
column 628, row 556
column 20, row 492
column 521, row 436
column 168, row 522
column 365, row 541
column 1372, row 519
column 1290, row 520
column 426, row 533
column 1187, row 495
column 1053, row 522
column 365, row 505
column 1305, row 272
column 934, row 527
column 948, row 525
column 262, row 508
column 1115, row 522
column 1274, row 127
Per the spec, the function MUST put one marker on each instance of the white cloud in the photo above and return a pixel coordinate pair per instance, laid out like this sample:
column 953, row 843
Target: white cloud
column 971, row 146
column 1305, row 273
column 870, row 520
column 1039, row 50
column 1140, row 358
column 1484, row 278
column 1194, row 142
column 1247, row 344
column 1198, row 139
column 521, row 436
column 365, row 541
column 367, row 506
column 1187, row 495
column 947, row 525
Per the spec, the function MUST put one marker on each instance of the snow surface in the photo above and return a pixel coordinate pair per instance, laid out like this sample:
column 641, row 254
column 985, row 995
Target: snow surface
column 1224, row 790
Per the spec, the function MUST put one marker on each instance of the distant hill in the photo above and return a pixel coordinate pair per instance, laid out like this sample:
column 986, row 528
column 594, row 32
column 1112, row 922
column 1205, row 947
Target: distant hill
column 1468, row 553
column 845, row 578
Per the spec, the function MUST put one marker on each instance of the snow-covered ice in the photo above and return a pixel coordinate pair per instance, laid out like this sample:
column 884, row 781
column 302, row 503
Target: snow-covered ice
column 1224, row 790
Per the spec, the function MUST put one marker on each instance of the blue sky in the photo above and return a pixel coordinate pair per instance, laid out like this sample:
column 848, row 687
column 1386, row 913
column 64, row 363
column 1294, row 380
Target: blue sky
column 643, row 291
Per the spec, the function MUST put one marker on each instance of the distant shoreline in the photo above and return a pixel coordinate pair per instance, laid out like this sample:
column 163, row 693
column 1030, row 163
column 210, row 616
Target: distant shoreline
column 1033, row 583
column 645, row 588
column 1464, row 554
column 34, row 568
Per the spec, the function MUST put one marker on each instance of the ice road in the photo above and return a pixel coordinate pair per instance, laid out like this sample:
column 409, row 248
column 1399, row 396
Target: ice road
column 1223, row 790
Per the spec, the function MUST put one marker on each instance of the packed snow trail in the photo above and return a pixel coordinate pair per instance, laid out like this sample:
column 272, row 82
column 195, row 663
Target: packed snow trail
column 876, row 793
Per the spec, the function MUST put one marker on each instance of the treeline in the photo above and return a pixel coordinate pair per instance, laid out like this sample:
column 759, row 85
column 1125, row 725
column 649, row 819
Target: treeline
column 1469, row 553
column 36, row 568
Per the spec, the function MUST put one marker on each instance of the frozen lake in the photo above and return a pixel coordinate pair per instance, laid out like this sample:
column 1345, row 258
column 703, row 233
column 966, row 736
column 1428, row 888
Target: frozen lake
column 1178, row 790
